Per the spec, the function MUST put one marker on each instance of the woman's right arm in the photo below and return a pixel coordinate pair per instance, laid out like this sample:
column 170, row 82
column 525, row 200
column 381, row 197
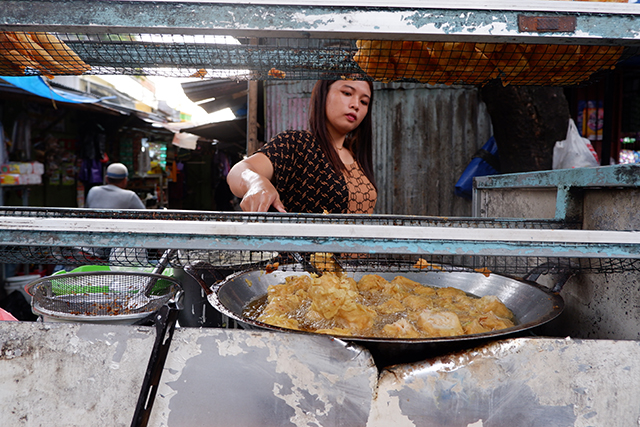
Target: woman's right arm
column 250, row 179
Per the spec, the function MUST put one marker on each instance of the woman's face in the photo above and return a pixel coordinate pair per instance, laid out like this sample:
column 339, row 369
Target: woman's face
column 347, row 105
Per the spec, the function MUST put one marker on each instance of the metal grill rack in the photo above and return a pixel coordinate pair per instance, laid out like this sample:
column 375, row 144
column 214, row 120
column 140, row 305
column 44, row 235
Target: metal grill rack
column 192, row 56
column 478, row 63
column 540, row 43
column 360, row 242
column 208, row 56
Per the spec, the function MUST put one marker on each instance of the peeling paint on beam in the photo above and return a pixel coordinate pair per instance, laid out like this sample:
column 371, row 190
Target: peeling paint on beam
column 264, row 20
column 321, row 244
column 604, row 176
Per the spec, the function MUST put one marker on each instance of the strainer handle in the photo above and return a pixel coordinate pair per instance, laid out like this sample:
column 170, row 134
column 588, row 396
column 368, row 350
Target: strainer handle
column 162, row 264
column 164, row 261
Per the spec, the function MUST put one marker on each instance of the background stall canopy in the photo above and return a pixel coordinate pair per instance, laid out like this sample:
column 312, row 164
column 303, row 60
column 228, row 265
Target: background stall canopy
column 38, row 86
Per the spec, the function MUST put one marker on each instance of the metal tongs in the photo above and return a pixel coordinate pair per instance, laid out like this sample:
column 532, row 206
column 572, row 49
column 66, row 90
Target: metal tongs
column 306, row 264
column 162, row 264
column 145, row 297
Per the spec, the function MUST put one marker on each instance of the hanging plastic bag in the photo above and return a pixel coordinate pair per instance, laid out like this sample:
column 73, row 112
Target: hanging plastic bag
column 96, row 172
column 575, row 151
column 484, row 162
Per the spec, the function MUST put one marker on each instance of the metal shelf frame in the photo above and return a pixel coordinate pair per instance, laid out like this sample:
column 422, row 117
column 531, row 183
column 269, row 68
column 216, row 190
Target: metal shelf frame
column 486, row 21
column 317, row 233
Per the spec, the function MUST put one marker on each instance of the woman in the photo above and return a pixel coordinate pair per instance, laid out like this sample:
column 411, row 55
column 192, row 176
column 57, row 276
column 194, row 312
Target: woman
column 328, row 169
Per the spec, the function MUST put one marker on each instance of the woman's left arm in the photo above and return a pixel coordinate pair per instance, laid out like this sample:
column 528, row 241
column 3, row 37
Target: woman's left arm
column 250, row 179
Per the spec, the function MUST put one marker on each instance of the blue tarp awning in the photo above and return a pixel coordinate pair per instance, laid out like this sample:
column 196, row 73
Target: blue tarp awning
column 37, row 86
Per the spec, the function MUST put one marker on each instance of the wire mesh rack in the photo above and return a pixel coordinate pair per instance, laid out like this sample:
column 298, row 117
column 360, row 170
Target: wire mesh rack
column 478, row 63
column 270, row 261
column 216, row 56
column 257, row 217
column 289, row 258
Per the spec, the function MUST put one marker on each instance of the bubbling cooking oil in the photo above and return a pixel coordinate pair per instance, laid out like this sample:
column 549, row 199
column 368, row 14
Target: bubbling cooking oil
column 374, row 307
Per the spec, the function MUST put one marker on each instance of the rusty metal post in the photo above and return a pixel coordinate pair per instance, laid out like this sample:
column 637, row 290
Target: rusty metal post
column 252, row 118
column 252, row 113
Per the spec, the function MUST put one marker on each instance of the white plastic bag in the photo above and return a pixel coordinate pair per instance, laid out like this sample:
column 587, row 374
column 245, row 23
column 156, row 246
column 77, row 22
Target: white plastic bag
column 575, row 151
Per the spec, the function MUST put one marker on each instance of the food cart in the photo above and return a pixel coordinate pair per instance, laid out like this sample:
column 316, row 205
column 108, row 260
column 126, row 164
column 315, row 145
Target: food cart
column 83, row 374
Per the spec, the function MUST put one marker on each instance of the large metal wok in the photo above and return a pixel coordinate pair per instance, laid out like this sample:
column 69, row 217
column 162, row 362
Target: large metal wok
column 532, row 305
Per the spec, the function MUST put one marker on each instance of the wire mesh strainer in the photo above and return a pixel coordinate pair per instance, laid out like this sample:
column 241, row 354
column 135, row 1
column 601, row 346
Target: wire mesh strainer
column 101, row 295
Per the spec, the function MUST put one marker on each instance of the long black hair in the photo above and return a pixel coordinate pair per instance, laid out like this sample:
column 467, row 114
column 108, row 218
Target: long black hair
column 359, row 141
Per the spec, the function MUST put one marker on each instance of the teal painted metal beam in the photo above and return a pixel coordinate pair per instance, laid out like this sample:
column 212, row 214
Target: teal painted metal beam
column 568, row 204
column 320, row 244
column 569, row 184
column 468, row 21
column 603, row 176
column 159, row 234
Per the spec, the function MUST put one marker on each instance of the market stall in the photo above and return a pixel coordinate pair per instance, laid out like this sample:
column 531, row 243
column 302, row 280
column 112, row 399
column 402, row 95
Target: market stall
column 220, row 376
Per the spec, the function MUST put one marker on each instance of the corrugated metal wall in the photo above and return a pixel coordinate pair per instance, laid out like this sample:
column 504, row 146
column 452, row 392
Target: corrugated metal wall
column 287, row 106
column 424, row 137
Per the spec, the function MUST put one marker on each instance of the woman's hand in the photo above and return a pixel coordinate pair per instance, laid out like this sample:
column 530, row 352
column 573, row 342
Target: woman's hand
column 250, row 179
column 261, row 196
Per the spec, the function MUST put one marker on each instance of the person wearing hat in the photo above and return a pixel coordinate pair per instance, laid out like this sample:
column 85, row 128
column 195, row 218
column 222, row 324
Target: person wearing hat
column 114, row 194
